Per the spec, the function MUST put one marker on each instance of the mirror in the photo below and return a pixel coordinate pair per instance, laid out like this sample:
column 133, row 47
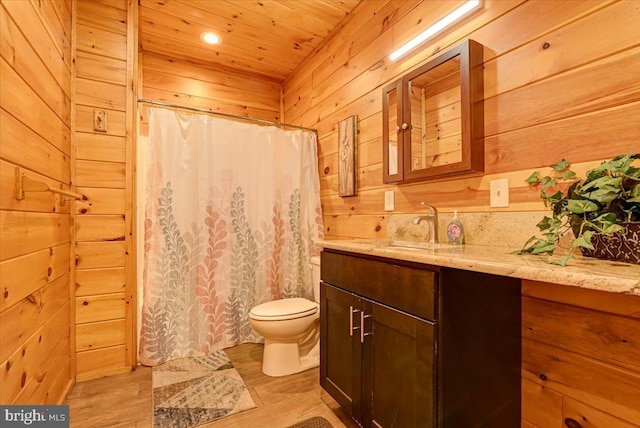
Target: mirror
column 440, row 107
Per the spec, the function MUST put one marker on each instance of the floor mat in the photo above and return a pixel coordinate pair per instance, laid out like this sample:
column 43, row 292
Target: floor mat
column 196, row 390
column 315, row 422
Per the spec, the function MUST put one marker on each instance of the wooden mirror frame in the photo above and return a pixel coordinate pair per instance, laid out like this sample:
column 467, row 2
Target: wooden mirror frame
column 472, row 117
column 398, row 176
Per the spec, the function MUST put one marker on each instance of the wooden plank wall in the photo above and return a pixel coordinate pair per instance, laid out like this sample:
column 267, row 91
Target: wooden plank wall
column 436, row 127
column 178, row 82
column 580, row 357
column 560, row 80
column 35, row 300
column 105, row 296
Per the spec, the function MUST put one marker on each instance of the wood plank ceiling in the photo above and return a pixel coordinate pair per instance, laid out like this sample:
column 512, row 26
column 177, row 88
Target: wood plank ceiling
column 269, row 38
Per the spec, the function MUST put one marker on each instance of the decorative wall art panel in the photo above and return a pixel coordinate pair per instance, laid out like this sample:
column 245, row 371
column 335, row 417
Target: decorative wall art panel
column 347, row 149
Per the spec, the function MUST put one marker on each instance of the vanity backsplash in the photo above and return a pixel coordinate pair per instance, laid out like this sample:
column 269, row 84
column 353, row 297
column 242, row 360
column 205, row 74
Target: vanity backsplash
column 509, row 230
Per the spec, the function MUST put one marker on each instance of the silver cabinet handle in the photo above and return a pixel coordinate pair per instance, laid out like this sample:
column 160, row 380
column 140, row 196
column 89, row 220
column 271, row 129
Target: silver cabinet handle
column 351, row 327
column 362, row 333
column 405, row 125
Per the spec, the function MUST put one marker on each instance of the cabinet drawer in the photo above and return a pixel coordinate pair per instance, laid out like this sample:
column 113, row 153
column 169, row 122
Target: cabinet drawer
column 405, row 288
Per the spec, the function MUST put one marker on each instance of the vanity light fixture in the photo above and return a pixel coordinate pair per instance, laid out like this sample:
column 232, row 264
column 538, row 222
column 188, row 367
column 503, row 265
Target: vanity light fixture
column 210, row 38
column 463, row 10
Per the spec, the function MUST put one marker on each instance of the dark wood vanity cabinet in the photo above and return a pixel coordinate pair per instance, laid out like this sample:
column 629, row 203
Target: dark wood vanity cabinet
column 371, row 379
column 410, row 345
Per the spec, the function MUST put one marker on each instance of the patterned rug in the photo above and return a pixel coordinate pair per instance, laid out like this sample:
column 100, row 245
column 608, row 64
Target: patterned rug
column 315, row 422
column 195, row 390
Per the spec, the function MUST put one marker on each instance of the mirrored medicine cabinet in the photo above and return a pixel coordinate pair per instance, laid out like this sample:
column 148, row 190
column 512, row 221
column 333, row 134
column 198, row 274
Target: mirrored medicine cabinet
column 433, row 118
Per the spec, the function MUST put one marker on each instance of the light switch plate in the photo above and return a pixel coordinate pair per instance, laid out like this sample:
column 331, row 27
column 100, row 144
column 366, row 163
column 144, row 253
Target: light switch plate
column 499, row 193
column 389, row 204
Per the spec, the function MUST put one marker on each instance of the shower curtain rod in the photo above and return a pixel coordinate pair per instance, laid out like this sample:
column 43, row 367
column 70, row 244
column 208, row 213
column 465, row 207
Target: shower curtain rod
column 232, row 116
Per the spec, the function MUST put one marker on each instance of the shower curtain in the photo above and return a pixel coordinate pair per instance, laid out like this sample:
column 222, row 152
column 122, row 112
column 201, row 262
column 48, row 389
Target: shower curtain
column 231, row 213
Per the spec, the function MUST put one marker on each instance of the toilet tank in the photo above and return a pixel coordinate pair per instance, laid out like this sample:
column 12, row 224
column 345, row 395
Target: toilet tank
column 315, row 276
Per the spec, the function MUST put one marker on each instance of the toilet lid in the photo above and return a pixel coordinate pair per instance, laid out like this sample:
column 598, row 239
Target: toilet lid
column 284, row 309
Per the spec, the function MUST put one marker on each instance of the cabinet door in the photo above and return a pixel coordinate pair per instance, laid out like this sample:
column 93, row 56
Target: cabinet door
column 393, row 128
column 442, row 106
column 340, row 349
column 398, row 368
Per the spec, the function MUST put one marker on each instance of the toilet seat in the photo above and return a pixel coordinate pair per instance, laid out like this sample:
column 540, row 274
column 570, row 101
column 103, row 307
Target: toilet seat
column 284, row 309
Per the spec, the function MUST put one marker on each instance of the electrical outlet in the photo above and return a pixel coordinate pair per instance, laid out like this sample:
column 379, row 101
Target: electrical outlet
column 389, row 204
column 499, row 193
column 99, row 120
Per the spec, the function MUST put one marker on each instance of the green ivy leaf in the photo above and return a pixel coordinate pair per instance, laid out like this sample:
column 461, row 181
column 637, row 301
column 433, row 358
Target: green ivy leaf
column 584, row 240
column 544, row 224
column 605, row 182
column 605, row 218
column 547, row 182
column 619, row 163
column 528, row 247
column 533, row 178
column 571, row 190
column 559, row 210
column 542, row 247
column 568, row 175
column 610, row 229
column 555, row 223
column 525, row 249
column 562, row 262
column 581, row 206
column 556, row 197
column 561, row 166
column 604, row 196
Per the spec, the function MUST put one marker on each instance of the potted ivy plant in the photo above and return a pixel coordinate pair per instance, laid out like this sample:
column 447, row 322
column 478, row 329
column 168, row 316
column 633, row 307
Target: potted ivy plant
column 602, row 210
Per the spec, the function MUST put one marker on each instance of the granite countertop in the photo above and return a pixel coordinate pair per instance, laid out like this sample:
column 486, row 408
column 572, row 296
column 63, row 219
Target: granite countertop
column 581, row 271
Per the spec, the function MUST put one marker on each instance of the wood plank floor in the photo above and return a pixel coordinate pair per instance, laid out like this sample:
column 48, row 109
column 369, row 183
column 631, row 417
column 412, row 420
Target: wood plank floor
column 125, row 400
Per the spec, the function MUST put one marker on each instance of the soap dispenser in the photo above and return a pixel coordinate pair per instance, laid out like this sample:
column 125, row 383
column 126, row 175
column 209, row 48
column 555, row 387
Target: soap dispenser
column 455, row 231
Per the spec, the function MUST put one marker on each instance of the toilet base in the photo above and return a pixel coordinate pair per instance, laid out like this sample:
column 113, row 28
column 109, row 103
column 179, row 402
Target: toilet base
column 283, row 358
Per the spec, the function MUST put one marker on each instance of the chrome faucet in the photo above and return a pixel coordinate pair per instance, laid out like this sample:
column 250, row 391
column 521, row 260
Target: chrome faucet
column 432, row 220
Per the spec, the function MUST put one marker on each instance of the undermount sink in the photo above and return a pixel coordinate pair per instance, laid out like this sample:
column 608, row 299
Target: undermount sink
column 410, row 245
column 403, row 247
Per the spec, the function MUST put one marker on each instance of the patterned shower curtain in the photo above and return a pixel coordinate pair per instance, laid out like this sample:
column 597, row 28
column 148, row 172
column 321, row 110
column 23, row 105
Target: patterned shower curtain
column 231, row 214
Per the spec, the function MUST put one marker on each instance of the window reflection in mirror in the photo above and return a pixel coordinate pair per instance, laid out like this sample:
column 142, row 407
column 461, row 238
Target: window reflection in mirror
column 436, row 127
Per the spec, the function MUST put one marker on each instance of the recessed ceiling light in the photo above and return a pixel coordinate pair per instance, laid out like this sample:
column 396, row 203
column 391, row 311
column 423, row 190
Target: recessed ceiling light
column 211, row 38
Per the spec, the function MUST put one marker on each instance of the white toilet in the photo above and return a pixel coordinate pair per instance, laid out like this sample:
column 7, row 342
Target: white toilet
column 291, row 331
